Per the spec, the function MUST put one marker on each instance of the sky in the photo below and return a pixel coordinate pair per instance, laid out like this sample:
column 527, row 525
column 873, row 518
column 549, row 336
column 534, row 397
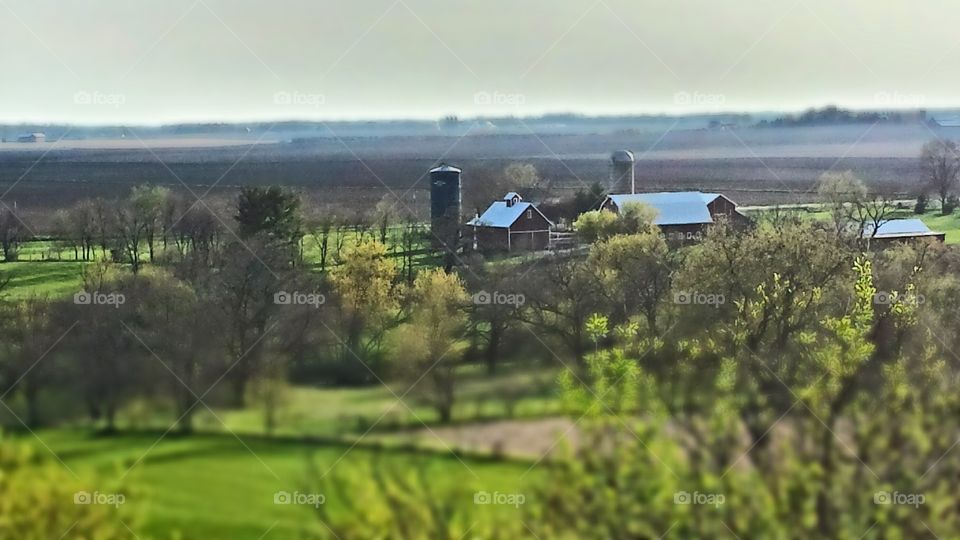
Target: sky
column 163, row 61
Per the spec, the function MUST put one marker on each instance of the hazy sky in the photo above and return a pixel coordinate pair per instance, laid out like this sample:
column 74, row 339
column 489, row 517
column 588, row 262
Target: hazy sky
column 154, row 61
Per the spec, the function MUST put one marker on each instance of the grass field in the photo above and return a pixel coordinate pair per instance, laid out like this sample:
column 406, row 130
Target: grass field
column 220, row 482
column 217, row 486
column 53, row 279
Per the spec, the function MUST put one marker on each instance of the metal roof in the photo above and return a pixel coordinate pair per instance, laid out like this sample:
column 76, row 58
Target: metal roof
column 502, row 216
column 899, row 227
column 948, row 121
column 445, row 168
column 511, row 195
column 673, row 208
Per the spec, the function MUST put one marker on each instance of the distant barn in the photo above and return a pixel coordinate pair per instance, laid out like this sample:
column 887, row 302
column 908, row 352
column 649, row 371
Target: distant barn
column 511, row 224
column 32, row 138
column 682, row 215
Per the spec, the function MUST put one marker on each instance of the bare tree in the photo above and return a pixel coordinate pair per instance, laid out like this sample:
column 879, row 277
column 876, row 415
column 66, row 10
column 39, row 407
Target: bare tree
column 11, row 233
column 941, row 164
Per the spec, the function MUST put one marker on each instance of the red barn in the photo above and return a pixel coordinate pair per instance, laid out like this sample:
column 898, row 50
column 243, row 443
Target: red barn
column 683, row 215
column 511, row 224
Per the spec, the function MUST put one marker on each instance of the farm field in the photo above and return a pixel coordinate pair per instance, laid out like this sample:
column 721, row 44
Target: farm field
column 751, row 165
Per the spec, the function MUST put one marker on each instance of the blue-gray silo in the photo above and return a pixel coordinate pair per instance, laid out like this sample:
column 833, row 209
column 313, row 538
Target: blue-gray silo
column 622, row 166
column 446, row 203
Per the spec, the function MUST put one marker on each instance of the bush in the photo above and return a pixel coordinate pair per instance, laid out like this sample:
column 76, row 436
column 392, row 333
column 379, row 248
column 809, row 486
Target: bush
column 921, row 206
column 42, row 500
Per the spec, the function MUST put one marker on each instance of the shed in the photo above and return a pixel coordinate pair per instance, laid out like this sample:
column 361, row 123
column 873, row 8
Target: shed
column 511, row 224
column 901, row 230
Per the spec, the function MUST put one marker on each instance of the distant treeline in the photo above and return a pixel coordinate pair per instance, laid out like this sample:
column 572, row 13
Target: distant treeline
column 832, row 115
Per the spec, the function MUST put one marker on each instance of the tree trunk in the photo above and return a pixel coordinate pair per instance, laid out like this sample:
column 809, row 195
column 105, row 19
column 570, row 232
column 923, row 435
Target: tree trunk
column 493, row 349
column 825, row 510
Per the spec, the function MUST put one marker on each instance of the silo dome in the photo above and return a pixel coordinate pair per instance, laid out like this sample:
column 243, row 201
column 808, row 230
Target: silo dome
column 622, row 156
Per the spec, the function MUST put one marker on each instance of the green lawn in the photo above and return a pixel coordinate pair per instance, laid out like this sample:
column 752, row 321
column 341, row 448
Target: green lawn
column 54, row 279
column 215, row 486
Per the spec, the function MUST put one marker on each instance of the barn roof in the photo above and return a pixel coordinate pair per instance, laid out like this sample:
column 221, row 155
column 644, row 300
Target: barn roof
column 899, row 227
column 673, row 208
column 502, row 216
column 443, row 167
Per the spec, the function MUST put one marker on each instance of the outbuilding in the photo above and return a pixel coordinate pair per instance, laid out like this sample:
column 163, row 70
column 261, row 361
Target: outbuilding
column 901, row 230
column 511, row 224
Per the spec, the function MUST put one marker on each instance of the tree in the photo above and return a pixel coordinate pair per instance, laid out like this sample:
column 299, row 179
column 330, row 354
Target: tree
column 365, row 286
column 165, row 306
column 634, row 272
column 429, row 345
column 11, row 233
column 270, row 211
column 633, row 218
column 243, row 290
column 28, row 363
column 525, row 178
column 941, row 164
column 561, row 294
column 492, row 321
column 151, row 204
column 853, row 210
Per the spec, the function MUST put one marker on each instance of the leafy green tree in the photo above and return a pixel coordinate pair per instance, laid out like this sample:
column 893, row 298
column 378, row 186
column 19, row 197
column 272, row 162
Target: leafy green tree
column 368, row 302
column 430, row 345
column 634, row 272
column 272, row 212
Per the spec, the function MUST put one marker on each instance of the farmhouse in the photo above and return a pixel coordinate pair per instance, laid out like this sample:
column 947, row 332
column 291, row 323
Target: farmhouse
column 511, row 224
column 682, row 215
column 32, row 138
column 901, row 230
